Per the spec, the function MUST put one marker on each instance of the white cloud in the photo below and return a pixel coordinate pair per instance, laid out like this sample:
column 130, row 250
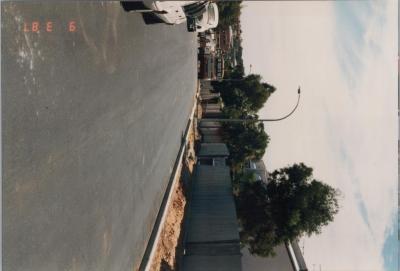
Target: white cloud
column 346, row 132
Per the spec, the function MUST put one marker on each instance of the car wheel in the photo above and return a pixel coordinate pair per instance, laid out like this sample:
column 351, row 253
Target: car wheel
column 150, row 18
column 129, row 5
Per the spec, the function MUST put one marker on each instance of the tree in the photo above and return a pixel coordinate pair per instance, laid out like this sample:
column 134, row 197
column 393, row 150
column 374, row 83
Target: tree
column 250, row 87
column 256, row 91
column 239, row 101
column 290, row 205
column 245, row 141
column 229, row 12
column 236, row 72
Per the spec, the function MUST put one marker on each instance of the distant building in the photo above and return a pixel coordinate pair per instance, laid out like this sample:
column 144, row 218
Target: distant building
column 206, row 87
column 209, row 97
column 233, row 61
column 225, row 38
column 211, row 110
column 211, row 65
column 208, row 40
column 211, row 239
column 258, row 169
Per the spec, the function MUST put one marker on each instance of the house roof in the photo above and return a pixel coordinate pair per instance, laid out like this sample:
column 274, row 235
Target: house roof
column 213, row 213
column 212, row 263
column 204, row 124
column 211, row 138
column 212, row 239
column 213, row 149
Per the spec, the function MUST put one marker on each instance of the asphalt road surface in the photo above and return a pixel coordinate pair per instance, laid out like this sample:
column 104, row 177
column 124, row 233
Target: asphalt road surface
column 94, row 103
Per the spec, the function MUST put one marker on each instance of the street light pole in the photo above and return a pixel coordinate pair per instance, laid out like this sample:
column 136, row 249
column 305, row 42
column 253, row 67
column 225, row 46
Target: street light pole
column 257, row 120
column 226, row 80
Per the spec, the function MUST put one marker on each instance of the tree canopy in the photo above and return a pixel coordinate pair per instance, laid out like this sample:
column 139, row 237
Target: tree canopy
column 242, row 98
column 245, row 141
column 290, row 205
column 229, row 12
column 247, row 93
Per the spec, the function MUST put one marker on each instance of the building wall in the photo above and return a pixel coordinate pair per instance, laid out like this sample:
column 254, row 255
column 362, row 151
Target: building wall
column 213, row 150
column 281, row 262
column 211, row 139
column 212, row 237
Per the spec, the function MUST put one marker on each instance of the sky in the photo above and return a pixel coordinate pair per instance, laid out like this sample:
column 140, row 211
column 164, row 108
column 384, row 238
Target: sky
column 344, row 56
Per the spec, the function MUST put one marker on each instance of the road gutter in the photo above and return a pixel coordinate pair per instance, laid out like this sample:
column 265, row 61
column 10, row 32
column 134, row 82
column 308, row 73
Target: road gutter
column 166, row 202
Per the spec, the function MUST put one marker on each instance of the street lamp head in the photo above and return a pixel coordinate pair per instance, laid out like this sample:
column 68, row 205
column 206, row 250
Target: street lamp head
column 298, row 91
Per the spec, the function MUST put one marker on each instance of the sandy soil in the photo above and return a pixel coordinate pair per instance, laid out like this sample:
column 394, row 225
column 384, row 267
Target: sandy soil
column 164, row 258
column 168, row 246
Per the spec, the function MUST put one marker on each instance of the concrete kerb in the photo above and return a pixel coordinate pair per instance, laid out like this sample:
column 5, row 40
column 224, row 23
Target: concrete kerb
column 150, row 251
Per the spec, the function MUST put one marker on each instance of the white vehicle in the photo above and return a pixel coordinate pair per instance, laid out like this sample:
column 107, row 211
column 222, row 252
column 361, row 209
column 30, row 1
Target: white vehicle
column 199, row 15
column 204, row 21
column 169, row 12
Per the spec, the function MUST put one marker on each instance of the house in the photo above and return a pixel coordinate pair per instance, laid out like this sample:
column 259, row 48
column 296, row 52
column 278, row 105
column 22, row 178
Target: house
column 211, row 131
column 213, row 154
column 211, row 238
column 209, row 97
column 210, row 124
column 208, row 40
column 288, row 258
column 211, row 65
column 206, row 85
column 225, row 38
column 208, row 138
column 210, row 111
column 211, row 134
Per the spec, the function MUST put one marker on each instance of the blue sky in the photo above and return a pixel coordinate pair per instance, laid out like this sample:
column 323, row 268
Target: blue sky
column 350, row 34
column 390, row 249
column 344, row 56
column 351, row 20
column 351, row 24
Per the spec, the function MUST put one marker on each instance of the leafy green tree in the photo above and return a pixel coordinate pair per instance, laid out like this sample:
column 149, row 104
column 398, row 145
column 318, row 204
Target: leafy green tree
column 238, row 101
column 258, row 230
column 245, row 141
column 251, row 87
column 229, row 12
column 291, row 205
column 236, row 72
column 256, row 91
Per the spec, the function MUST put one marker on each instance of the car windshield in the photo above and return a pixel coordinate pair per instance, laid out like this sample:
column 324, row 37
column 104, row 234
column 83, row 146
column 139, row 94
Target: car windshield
column 211, row 14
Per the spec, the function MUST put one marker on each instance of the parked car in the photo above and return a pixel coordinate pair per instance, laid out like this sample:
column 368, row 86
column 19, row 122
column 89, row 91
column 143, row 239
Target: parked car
column 208, row 19
column 199, row 15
